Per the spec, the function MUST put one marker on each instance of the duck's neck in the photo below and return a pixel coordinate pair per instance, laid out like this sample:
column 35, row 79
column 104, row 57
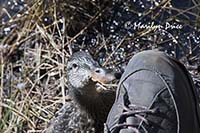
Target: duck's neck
column 84, row 96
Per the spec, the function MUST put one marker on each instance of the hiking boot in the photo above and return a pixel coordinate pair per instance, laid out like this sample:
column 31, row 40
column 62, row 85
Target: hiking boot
column 155, row 95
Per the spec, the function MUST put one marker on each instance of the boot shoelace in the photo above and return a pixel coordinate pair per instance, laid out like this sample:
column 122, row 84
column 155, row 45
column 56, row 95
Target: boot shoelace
column 133, row 111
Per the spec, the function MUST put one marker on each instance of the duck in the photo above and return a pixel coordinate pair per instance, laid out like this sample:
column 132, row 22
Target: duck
column 90, row 104
column 83, row 74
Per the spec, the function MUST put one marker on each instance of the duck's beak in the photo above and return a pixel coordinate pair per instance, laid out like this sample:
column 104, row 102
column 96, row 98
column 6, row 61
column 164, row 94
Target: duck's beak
column 104, row 76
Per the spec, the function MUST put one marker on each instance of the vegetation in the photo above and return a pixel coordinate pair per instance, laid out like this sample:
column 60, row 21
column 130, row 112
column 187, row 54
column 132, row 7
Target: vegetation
column 37, row 37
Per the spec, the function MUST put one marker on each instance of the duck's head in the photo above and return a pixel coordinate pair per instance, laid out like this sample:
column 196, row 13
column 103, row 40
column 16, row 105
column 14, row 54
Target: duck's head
column 83, row 72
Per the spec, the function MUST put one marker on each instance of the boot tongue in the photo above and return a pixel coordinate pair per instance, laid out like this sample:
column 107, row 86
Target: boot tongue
column 145, row 84
column 132, row 120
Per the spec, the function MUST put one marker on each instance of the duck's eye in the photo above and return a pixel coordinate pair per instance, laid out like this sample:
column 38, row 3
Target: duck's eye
column 97, row 71
column 74, row 65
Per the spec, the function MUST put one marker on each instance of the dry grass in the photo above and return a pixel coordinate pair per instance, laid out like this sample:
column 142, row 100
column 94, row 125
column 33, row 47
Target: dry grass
column 32, row 71
column 34, row 53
